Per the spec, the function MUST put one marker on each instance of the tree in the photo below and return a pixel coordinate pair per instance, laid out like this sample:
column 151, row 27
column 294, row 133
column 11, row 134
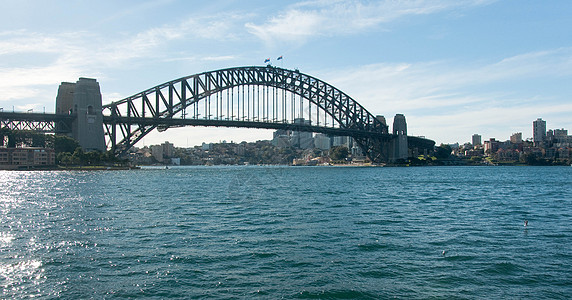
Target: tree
column 78, row 156
column 443, row 151
column 339, row 153
column 62, row 143
column 93, row 157
column 64, row 158
column 529, row 159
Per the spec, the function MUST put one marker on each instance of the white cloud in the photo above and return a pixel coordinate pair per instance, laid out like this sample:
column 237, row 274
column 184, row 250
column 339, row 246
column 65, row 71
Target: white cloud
column 446, row 79
column 81, row 53
column 329, row 18
column 29, row 77
column 219, row 58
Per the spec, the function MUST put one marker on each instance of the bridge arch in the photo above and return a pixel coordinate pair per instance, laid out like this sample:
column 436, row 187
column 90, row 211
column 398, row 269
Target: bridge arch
column 289, row 100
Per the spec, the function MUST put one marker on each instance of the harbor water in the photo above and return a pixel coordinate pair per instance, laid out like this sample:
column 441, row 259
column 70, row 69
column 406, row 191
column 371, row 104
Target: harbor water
column 274, row 232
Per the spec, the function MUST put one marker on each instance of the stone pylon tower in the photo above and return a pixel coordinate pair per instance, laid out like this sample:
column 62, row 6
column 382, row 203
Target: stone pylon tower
column 400, row 137
column 83, row 100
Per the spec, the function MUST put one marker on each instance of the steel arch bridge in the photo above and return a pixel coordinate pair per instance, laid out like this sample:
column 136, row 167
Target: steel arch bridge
column 254, row 97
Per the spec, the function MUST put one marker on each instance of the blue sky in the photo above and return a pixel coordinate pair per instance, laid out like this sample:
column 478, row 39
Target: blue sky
column 453, row 67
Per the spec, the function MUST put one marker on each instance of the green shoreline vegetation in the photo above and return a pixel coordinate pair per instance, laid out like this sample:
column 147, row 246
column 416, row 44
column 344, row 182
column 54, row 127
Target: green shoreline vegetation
column 68, row 153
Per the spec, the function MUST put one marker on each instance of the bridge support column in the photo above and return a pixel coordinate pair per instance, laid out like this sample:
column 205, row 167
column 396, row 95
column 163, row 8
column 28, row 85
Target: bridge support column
column 399, row 141
column 83, row 100
column 399, row 148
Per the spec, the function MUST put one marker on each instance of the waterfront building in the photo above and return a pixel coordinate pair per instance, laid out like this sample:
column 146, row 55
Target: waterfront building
column 163, row 151
column 16, row 158
column 538, row 132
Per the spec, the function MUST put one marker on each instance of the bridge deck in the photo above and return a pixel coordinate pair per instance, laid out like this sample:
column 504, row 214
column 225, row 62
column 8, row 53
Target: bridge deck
column 41, row 122
column 170, row 123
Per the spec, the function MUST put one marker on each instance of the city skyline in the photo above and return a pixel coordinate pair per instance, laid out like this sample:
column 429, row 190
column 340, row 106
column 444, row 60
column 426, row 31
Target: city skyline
column 453, row 68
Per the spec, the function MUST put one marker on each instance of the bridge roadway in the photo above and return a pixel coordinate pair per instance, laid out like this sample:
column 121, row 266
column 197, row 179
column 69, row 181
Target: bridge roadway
column 413, row 141
column 61, row 123
column 175, row 122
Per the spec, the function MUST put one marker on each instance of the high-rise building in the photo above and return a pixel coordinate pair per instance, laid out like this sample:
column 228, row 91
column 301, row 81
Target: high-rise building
column 163, row 151
column 322, row 141
column 538, row 132
column 301, row 139
column 560, row 132
column 341, row 141
column 476, row 139
column 168, row 149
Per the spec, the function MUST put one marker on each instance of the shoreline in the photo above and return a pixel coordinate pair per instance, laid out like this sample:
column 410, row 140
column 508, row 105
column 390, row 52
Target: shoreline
column 361, row 165
column 67, row 168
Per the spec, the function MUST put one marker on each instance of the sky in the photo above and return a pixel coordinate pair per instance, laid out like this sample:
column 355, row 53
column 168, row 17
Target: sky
column 452, row 67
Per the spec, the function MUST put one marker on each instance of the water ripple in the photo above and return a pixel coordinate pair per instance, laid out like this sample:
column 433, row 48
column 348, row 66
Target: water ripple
column 283, row 232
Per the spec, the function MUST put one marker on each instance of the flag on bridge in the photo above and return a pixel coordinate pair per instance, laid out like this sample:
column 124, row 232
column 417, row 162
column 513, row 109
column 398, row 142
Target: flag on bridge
column 266, row 60
column 279, row 57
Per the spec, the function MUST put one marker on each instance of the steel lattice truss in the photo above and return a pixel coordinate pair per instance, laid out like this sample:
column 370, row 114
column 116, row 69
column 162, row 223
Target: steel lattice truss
column 36, row 122
column 255, row 97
